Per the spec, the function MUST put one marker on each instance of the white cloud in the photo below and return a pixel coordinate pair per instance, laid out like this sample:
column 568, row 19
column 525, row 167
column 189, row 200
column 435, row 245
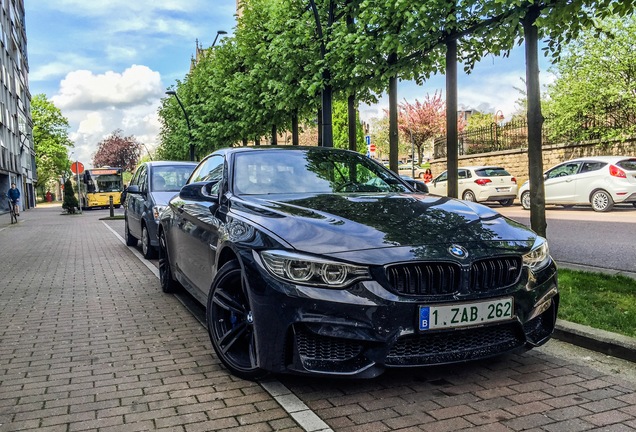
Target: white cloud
column 98, row 104
column 82, row 89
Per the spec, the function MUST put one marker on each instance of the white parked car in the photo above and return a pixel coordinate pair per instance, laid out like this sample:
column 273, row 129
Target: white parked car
column 479, row 184
column 414, row 171
column 601, row 181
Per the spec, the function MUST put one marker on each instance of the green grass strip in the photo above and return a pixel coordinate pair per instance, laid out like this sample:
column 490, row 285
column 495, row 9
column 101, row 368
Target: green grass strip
column 598, row 300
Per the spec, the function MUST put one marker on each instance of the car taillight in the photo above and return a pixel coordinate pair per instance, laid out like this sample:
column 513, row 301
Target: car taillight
column 514, row 180
column 617, row 172
column 482, row 181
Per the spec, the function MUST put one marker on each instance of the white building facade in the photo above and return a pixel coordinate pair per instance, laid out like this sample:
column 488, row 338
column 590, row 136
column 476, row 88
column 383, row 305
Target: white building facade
column 17, row 155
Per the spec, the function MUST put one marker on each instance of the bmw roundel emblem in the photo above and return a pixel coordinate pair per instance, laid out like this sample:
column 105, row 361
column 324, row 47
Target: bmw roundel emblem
column 458, row 251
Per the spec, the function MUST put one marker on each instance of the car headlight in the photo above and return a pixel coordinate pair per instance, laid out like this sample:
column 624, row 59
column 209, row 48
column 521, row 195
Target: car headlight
column 156, row 211
column 539, row 257
column 310, row 270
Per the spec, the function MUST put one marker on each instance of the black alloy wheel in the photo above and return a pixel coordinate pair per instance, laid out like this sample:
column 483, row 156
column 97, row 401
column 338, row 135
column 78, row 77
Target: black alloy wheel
column 231, row 323
column 146, row 247
column 130, row 239
column 168, row 284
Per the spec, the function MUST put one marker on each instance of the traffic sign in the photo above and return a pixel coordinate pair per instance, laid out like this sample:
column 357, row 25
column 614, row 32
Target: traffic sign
column 372, row 148
column 367, row 139
column 77, row 167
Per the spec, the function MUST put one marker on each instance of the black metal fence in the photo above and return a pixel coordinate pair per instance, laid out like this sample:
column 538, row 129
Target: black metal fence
column 608, row 121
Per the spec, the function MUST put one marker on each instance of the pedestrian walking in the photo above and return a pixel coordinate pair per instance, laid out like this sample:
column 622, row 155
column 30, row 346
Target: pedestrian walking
column 14, row 197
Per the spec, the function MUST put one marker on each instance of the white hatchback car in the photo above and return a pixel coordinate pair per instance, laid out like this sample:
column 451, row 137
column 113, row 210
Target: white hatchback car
column 479, row 184
column 601, row 181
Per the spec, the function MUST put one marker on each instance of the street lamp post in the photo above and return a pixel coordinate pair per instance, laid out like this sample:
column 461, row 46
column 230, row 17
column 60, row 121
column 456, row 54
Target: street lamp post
column 219, row 32
column 187, row 119
column 499, row 116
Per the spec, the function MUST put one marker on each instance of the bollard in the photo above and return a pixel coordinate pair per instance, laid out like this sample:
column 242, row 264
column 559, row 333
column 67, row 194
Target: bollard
column 112, row 209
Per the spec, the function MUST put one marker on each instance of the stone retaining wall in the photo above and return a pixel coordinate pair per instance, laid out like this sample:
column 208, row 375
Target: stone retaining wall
column 516, row 161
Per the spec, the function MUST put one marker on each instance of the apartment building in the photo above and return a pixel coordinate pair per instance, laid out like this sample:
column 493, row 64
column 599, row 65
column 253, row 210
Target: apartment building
column 17, row 154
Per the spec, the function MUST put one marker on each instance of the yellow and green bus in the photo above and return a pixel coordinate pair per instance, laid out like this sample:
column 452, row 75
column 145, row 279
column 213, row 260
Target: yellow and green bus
column 99, row 185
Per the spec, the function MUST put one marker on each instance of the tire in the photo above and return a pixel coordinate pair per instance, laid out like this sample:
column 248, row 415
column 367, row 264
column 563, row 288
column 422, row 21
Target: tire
column 525, row 200
column 146, row 247
column 421, row 176
column 469, row 196
column 130, row 239
column 507, row 203
column 231, row 324
column 168, row 284
column 601, row 201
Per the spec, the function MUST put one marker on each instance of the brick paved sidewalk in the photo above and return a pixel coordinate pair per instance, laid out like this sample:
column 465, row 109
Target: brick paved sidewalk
column 89, row 342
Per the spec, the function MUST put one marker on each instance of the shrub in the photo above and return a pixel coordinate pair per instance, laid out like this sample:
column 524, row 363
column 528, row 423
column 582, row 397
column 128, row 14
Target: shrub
column 70, row 203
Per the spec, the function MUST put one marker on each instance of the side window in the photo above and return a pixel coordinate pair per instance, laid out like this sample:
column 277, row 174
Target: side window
column 462, row 174
column 135, row 179
column 564, row 170
column 143, row 179
column 442, row 177
column 591, row 166
column 209, row 170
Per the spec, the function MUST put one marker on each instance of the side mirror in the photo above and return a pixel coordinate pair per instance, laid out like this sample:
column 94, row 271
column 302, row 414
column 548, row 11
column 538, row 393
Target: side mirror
column 421, row 187
column 199, row 191
column 133, row 189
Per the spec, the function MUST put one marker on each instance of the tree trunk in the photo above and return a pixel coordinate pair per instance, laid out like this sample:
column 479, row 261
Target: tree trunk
column 535, row 124
column 295, row 134
column 393, row 119
column 244, row 142
column 327, row 131
column 393, row 125
column 274, row 135
column 351, row 111
column 452, row 153
column 319, row 126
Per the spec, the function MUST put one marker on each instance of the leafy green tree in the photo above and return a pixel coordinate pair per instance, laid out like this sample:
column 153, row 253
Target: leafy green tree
column 50, row 135
column 594, row 95
column 479, row 120
column 341, row 129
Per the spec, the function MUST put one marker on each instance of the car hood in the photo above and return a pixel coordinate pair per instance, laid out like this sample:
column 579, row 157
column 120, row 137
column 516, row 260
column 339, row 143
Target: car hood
column 334, row 223
column 162, row 198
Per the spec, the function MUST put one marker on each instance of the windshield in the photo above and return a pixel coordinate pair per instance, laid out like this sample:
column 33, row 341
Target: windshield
column 103, row 182
column 170, row 178
column 275, row 172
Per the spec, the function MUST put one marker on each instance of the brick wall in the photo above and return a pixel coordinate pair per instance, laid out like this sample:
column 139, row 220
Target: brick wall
column 516, row 161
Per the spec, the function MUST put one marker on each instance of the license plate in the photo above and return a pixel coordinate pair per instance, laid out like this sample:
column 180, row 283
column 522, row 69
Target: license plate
column 504, row 189
column 465, row 314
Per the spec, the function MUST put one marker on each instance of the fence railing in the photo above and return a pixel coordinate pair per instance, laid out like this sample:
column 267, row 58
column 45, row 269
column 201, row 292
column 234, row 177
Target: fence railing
column 514, row 134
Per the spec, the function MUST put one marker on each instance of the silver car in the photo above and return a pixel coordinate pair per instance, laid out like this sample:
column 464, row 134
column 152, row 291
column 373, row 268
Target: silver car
column 479, row 184
column 601, row 181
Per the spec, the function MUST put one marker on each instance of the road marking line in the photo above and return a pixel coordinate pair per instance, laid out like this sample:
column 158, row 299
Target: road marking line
column 305, row 417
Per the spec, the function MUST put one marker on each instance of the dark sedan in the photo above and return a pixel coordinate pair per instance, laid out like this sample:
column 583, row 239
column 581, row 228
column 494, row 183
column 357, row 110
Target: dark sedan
column 320, row 261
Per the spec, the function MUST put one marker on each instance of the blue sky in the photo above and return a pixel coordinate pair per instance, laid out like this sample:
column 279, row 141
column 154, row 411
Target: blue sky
column 107, row 64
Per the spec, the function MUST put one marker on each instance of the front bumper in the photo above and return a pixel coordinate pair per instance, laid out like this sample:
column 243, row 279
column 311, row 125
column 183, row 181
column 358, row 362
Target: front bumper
column 361, row 331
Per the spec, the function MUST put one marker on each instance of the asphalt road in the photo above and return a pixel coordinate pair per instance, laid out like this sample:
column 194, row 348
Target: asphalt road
column 585, row 237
